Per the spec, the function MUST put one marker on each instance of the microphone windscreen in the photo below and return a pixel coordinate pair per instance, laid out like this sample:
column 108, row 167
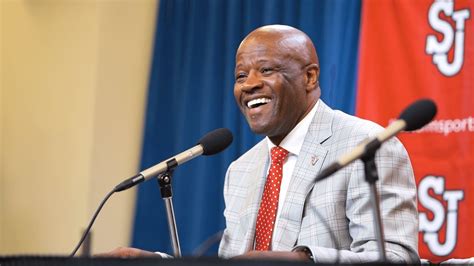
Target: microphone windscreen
column 418, row 114
column 216, row 141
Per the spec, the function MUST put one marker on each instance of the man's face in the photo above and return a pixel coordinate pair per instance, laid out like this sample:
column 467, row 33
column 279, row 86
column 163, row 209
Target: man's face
column 270, row 87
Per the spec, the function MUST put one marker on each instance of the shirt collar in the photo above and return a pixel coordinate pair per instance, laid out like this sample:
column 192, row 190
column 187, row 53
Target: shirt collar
column 294, row 140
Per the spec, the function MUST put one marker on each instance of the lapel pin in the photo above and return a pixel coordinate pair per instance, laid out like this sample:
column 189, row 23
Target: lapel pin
column 314, row 159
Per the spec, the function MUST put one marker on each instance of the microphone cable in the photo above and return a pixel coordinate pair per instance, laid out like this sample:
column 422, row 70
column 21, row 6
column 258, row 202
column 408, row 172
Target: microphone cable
column 96, row 213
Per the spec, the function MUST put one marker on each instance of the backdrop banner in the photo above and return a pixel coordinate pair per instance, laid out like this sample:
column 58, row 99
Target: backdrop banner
column 425, row 49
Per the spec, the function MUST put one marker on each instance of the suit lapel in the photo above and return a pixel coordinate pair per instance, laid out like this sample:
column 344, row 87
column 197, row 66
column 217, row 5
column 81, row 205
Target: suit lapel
column 255, row 178
column 307, row 166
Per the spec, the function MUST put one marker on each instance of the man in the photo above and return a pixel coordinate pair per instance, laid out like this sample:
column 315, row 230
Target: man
column 277, row 90
column 287, row 215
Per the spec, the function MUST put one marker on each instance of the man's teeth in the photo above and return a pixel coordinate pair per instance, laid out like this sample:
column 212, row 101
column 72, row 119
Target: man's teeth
column 257, row 102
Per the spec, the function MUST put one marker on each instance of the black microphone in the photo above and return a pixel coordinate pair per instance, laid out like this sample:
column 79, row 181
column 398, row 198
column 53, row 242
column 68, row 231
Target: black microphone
column 212, row 143
column 412, row 118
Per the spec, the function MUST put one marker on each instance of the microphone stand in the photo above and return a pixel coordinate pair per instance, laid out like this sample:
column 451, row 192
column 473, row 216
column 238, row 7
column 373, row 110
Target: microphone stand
column 164, row 181
column 371, row 176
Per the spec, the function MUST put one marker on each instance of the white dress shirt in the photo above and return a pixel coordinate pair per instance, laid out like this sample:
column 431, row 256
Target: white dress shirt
column 292, row 143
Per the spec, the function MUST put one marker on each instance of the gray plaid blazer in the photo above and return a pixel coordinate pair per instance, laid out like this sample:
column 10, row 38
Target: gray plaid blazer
column 333, row 218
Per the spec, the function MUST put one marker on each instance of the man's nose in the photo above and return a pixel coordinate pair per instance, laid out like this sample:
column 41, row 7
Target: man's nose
column 252, row 82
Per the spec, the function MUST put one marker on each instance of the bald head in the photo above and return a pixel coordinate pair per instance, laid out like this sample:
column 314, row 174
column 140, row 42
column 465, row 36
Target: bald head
column 292, row 41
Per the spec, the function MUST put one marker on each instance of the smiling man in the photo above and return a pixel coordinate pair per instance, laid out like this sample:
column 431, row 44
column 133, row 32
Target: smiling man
column 274, row 209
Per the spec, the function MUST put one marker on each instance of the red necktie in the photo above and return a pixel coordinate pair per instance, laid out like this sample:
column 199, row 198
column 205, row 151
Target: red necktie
column 269, row 205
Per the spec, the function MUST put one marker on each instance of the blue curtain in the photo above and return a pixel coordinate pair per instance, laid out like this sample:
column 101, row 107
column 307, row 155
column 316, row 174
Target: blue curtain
column 191, row 93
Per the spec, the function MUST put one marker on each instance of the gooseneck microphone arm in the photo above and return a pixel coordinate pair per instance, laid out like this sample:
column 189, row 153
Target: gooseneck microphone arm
column 412, row 118
column 212, row 143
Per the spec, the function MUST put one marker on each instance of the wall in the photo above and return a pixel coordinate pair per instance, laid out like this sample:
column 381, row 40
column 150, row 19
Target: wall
column 73, row 76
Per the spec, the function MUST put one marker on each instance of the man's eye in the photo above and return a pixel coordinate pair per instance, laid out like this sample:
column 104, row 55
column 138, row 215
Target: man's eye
column 240, row 76
column 266, row 70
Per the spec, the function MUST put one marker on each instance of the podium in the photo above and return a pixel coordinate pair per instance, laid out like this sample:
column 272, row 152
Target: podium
column 191, row 261
column 211, row 261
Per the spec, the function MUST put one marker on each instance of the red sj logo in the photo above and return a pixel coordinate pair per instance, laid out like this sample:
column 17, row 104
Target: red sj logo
column 440, row 49
column 431, row 228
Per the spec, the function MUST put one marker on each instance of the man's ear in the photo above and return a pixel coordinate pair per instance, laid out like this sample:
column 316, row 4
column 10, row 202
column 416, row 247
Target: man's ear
column 312, row 77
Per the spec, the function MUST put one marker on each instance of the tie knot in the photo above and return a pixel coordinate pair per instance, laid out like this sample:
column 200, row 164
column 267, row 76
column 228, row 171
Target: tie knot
column 278, row 154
